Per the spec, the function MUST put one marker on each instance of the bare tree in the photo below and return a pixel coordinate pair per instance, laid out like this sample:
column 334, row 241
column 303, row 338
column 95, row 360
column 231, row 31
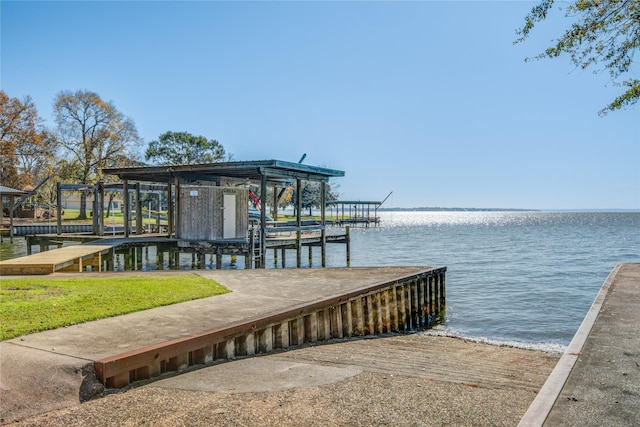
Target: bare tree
column 94, row 133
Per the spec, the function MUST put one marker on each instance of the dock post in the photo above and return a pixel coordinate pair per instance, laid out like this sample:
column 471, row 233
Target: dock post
column 11, row 201
column 138, row 210
column 59, row 208
column 298, row 220
column 263, row 220
column 138, row 258
column 125, row 206
column 176, row 208
column 252, row 249
column 348, row 244
column 94, row 211
column 169, row 211
column 323, row 221
column 298, row 249
column 100, row 208
column 159, row 258
column 323, row 237
column 443, row 292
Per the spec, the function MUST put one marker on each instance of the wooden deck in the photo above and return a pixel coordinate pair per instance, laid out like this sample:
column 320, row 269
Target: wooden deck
column 92, row 251
column 70, row 258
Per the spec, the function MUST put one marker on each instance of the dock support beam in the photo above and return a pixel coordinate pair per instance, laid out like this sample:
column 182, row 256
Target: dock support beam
column 176, row 208
column 169, row 211
column 263, row 219
column 59, row 208
column 298, row 223
column 323, row 221
column 125, row 206
column 138, row 210
column 100, row 210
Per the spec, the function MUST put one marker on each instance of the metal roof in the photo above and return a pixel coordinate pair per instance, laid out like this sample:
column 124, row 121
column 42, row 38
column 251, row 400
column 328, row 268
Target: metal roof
column 276, row 171
column 6, row 191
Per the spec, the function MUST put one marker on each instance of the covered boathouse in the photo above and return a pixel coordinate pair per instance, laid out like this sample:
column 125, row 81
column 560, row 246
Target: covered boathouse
column 208, row 206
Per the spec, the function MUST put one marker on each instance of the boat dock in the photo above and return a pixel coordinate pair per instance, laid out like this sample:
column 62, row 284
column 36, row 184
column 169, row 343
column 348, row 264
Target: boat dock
column 98, row 253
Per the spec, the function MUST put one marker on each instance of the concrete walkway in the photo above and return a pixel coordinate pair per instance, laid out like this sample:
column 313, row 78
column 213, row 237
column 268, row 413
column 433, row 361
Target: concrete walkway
column 45, row 371
column 597, row 381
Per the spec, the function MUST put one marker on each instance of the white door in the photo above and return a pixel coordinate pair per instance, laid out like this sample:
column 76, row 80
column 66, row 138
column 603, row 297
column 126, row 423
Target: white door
column 229, row 216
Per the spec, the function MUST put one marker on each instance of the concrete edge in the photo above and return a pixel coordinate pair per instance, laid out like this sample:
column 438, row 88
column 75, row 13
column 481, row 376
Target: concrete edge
column 542, row 405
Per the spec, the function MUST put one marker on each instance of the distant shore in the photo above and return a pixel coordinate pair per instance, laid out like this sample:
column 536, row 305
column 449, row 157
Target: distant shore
column 441, row 209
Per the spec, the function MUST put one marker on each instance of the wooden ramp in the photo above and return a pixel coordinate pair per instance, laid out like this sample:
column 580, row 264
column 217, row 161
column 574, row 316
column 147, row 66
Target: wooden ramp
column 70, row 258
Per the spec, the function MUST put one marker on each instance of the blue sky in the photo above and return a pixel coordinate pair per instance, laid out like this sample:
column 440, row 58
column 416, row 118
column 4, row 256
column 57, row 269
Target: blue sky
column 430, row 100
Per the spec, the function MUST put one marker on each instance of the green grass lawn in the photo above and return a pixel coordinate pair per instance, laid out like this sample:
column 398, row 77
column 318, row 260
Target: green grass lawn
column 40, row 303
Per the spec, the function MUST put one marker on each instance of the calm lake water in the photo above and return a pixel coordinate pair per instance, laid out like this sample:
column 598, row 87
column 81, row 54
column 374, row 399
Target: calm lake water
column 518, row 278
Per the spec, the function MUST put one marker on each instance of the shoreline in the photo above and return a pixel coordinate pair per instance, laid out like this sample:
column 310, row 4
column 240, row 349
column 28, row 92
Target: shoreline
column 549, row 348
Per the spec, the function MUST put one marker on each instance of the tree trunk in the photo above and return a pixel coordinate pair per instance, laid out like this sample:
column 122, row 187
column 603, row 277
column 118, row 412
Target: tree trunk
column 83, row 206
column 111, row 195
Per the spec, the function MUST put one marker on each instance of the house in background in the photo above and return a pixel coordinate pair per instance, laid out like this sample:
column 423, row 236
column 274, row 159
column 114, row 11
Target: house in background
column 71, row 200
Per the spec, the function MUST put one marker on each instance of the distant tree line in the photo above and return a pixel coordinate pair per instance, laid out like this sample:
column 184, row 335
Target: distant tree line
column 92, row 134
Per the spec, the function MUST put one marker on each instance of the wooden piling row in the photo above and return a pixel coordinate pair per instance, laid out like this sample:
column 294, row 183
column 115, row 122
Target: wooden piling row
column 403, row 305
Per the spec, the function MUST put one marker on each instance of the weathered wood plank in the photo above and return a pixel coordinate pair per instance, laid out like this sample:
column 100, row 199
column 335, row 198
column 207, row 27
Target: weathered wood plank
column 54, row 260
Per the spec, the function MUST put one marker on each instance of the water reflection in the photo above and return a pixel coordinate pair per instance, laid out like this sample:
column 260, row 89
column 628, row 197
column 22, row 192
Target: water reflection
column 10, row 250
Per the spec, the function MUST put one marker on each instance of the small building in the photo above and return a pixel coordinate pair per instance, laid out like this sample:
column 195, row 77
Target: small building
column 211, row 213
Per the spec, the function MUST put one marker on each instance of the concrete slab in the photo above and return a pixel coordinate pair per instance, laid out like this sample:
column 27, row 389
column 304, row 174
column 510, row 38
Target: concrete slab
column 35, row 381
column 248, row 375
column 604, row 385
column 597, row 381
column 254, row 293
column 44, row 371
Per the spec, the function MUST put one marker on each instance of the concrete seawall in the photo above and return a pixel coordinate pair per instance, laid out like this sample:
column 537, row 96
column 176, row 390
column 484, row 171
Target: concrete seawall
column 403, row 304
column 597, row 380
